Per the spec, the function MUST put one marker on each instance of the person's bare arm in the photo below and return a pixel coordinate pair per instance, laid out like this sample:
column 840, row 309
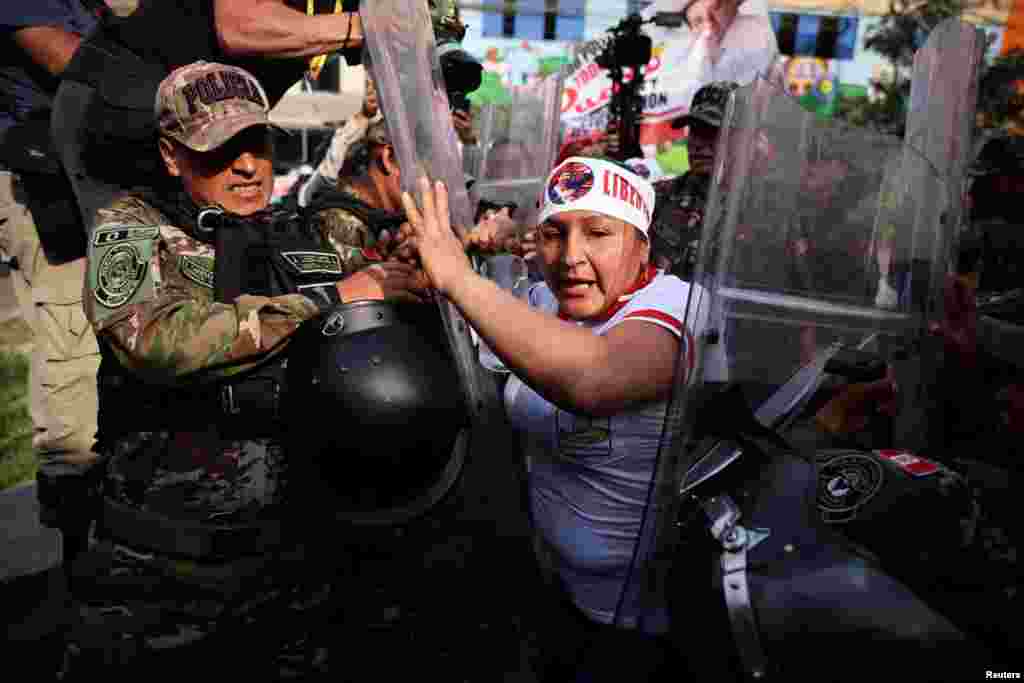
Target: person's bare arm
column 568, row 365
column 51, row 47
column 269, row 28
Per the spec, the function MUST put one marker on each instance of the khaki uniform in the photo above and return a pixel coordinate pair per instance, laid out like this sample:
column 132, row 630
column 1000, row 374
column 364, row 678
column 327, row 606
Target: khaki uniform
column 65, row 356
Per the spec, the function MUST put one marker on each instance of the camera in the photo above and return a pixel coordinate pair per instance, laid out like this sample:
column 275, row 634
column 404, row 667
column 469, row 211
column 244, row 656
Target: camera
column 628, row 48
column 462, row 74
column 629, row 45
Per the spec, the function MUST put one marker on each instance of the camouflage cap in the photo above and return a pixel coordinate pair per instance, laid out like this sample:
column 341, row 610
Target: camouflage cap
column 204, row 104
column 708, row 105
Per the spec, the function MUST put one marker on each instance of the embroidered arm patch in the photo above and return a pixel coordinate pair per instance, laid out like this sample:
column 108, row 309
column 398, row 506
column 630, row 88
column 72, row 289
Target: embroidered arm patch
column 119, row 266
column 198, row 269
column 308, row 262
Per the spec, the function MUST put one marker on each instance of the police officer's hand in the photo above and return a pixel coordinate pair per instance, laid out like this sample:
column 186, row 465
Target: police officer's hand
column 492, row 233
column 959, row 329
column 523, row 245
column 388, row 280
column 850, row 411
column 463, row 122
column 396, row 247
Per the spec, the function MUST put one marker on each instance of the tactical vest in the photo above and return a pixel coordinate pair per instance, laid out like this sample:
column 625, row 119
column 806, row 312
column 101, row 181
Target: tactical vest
column 271, row 255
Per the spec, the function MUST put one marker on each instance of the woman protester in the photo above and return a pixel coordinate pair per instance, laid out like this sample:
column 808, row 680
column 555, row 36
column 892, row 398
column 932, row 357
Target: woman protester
column 592, row 354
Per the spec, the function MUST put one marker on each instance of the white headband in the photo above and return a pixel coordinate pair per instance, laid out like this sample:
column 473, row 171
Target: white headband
column 580, row 184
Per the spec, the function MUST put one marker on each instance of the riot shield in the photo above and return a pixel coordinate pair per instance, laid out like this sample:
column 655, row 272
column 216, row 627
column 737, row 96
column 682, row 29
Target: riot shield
column 405, row 66
column 940, row 121
column 943, row 99
column 518, row 145
column 788, row 270
column 400, row 43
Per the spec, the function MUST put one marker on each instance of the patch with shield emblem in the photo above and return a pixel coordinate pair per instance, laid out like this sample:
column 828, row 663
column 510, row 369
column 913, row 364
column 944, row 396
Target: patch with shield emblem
column 120, row 273
column 846, row 483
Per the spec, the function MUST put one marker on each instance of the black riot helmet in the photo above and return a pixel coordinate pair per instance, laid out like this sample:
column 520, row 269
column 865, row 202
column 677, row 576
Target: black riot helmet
column 375, row 415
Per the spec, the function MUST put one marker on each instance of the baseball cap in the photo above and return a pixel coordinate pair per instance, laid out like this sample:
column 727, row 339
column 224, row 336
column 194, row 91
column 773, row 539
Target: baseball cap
column 708, row 105
column 204, row 104
column 585, row 184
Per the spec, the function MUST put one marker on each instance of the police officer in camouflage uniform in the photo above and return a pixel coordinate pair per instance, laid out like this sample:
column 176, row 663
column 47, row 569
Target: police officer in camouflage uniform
column 193, row 548
column 367, row 198
column 363, row 212
column 680, row 202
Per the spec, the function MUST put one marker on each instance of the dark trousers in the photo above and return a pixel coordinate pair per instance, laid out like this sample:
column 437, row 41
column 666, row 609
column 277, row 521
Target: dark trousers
column 576, row 649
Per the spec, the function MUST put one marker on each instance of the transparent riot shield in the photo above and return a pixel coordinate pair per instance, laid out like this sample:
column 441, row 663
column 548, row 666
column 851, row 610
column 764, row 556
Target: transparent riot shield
column 518, row 145
column 400, row 43
column 940, row 121
column 803, row 216
column 943, row 99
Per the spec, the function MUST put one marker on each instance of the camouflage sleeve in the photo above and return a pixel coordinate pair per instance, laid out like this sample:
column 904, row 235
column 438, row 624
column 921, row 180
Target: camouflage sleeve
column 149, row 293
column 348, row 236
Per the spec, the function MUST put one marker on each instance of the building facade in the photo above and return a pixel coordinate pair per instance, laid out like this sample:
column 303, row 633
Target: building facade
column 821, row 42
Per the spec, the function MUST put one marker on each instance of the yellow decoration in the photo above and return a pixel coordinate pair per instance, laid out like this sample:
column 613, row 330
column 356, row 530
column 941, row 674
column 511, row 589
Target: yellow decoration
column 317, row 63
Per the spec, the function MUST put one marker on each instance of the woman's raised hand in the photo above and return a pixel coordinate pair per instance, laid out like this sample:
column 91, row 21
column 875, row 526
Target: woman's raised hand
column 429, row 233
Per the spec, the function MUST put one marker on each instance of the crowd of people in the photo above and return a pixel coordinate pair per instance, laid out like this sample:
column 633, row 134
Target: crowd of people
column 165, row 291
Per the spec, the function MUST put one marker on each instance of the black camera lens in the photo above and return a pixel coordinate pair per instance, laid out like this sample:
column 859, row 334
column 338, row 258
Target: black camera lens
column 462, row 73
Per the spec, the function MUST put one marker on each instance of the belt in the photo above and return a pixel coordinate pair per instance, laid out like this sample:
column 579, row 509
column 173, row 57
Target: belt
column 197, row 540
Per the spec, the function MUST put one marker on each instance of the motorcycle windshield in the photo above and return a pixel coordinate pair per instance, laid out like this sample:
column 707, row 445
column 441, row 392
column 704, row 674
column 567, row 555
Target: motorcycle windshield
column 403, row 61
column 815, row 235
column 518, row 144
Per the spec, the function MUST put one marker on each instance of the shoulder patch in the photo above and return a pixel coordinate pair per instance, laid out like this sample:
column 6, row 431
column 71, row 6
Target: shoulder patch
column 307, row 262
column 120, row 272
column 198, row 269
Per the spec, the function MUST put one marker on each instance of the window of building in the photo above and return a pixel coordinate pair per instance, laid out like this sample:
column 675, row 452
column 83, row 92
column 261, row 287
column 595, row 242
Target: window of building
column 785, row 31
column 805, row 42
column 812, row 35
column 535, row 19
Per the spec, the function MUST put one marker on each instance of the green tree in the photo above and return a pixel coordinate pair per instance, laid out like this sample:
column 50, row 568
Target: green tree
column 1000, row 104
column 897, row 37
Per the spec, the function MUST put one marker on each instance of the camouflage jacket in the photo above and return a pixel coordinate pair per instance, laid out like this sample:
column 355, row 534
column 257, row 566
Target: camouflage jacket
column 149, row 296
column 349, row 234
column 678, row 218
